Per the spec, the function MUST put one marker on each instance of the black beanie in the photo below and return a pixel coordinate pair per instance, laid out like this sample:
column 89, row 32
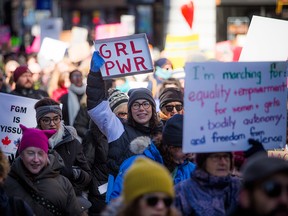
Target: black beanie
column 170, row 95
column 140, row 93
column 173, row 131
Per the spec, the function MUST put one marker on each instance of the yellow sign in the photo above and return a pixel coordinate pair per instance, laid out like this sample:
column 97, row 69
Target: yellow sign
column 178, row 48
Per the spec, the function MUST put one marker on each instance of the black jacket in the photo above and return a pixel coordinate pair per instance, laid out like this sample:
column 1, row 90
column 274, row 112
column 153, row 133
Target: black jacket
column 71, row 151
column 30, row 93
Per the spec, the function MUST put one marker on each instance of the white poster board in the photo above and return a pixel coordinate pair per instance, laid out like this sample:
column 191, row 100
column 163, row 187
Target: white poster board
column 124, row 56
column 14, row 110
column 51, row 50
column 228, row 103
column 266, row 40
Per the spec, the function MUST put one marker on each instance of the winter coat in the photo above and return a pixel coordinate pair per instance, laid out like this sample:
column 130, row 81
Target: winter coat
column 95, row 148
column 71, row 151
column 204, row 194
column 48, row 184
column 13, row 206
column 183, row 171
column 65, row 113
column 81, row 123
column 30, row 93
column 119, row 134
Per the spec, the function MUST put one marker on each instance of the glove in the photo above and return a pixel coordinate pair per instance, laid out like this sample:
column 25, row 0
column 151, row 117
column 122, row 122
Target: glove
column 96, row 62
column 76, row 172
column 256, row 147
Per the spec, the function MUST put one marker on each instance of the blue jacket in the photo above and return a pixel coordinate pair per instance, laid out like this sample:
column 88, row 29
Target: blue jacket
column 183, row 171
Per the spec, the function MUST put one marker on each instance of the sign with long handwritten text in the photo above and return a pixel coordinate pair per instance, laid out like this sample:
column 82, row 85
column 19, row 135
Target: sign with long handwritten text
column 14, row 110
column 124, row 56
column 228, row 103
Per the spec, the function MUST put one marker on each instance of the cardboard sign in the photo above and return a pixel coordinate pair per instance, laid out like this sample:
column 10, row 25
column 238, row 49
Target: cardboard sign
column 278, row 154
column 14, row 110
column 228, row 103
column 266, row 40
column 124, row 56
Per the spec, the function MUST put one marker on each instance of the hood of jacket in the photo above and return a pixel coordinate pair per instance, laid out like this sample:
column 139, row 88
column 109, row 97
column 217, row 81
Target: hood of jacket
column 63, row 135
column 139, row 144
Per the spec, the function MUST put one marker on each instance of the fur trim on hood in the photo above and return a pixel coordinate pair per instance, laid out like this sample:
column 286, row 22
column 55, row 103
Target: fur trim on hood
column 139, row 144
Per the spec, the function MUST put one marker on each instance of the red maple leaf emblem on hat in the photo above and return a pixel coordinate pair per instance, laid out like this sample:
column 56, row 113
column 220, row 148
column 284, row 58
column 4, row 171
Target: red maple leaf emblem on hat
column 6, row 141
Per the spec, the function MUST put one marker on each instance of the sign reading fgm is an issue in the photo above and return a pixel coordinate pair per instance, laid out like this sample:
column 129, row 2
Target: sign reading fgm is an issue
column 228, row 103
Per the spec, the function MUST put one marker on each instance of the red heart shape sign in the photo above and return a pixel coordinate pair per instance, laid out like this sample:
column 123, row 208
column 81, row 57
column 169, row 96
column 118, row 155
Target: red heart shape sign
column 188, row 13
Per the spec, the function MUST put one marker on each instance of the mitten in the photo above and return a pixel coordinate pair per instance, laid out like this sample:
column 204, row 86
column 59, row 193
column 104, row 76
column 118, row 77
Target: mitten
column 96, row 62
column 76, row 172
column 256, row 147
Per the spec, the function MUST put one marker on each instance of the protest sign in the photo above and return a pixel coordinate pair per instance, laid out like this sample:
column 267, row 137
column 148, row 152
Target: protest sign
column 124, row 56
column 266, row 40
column 228, row 103
column 51, row 50
column 4, row 34
column 178, row 48
column 79, row 35
column 51, row 28
column 278, row 154
column 111, row 30
column 14, row 110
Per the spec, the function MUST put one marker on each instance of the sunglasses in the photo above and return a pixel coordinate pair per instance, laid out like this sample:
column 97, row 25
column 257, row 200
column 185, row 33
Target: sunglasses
column 274, row 189
column 170, row 108
column 152, row 201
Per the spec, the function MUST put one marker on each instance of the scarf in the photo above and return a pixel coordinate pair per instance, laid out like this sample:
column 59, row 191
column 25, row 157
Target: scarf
column 57, row 137
column 73, row 101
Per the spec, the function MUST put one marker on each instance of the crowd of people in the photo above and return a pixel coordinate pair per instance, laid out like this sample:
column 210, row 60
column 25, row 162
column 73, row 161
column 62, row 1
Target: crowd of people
column 99, row 150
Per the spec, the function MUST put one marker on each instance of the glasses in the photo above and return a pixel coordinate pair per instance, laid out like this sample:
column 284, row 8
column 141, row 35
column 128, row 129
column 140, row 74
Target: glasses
column 47, row 120
column 218, row 157
column 136, row 105
column 75, row 76
column 274, row 189
column 152, row 201
column 122, row 114
column 170, row 108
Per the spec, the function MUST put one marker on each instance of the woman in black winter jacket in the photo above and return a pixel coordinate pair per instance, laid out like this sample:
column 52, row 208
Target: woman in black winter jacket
column 64, row 142
column 142, row 117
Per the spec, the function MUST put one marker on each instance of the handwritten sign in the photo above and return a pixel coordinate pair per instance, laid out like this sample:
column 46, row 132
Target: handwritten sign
column 124, row 56
column 228, row 103
column 14, row 110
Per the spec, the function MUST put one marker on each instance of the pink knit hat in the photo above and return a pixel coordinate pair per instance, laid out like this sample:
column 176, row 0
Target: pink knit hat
column 19, row 71
column 33, row 137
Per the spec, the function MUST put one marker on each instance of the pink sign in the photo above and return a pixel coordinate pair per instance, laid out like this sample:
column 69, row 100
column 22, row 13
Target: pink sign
column 110, row 31
column 4, row 34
